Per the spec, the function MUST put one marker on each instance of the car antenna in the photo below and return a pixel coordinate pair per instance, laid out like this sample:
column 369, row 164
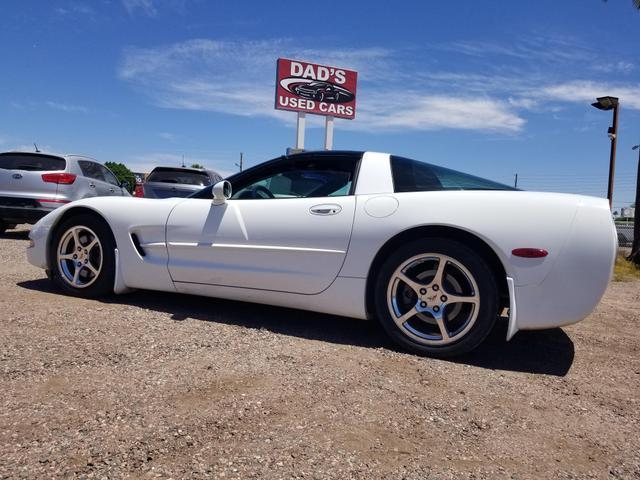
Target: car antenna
column 183, row 161
column 34, row 144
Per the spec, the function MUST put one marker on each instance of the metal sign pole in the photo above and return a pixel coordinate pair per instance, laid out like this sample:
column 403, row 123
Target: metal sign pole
column 300, row 131
column 328, row 132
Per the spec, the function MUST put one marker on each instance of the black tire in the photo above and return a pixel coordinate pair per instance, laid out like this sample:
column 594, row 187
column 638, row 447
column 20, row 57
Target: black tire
column 100, row 284
column 3, row 227
column 484, row 314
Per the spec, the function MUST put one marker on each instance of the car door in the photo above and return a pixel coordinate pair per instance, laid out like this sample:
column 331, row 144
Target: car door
column 95, row 178
column 112, row 182
column 286, row 228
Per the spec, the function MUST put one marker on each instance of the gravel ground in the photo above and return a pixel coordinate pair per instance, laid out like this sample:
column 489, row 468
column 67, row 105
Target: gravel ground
column 161, row 385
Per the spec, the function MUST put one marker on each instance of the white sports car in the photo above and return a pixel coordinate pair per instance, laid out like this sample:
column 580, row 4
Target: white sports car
column 434, row 254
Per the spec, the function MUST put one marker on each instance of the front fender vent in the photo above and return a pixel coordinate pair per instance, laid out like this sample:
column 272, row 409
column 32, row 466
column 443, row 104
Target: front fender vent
column 136, row 243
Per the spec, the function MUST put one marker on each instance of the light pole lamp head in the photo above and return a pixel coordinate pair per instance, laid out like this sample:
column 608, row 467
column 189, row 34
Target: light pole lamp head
column 605, row 103
column 635, row 147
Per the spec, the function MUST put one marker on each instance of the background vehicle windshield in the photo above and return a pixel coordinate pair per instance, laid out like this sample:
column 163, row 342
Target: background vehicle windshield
column 25, row 161
column 185, row 177
column 414, row 176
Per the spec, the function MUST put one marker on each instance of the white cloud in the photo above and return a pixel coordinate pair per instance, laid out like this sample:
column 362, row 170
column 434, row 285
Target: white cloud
column 171, row 137
column 395, row 91
column 66, row 107
column 585, row 91
column 238, row 78
column 75, row 9
column 145, row 6
column 615, row 67
column 523, row 102
column 436, row 112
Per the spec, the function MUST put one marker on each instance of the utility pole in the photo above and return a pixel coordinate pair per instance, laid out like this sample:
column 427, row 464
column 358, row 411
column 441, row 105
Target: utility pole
column 515, row 182
column 635, row 249
column 239, row 165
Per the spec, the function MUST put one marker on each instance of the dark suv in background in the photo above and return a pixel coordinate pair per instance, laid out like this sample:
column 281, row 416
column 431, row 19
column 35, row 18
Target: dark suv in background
column 166, row 182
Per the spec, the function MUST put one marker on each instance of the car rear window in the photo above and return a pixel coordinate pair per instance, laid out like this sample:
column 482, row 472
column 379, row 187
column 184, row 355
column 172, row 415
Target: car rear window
column 414, row 176
column 33, row 162
column 179, row 176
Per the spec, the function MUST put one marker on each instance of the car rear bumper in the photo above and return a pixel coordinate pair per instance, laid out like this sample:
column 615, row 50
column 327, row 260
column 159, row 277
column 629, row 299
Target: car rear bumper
column 27, row 210
column 22, row 214
column 578, row 278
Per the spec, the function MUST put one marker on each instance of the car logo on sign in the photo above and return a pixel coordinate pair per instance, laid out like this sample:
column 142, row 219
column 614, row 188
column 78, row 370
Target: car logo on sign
column 315, row 90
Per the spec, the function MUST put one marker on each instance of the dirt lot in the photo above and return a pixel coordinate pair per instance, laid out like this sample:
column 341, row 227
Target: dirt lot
column 159, row 385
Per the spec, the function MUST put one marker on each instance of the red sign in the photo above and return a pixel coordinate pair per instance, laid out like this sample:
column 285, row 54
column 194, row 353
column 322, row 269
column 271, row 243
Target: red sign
column 320, row 89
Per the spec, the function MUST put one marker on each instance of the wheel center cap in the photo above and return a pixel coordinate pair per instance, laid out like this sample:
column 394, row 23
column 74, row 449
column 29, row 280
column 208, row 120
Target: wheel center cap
column 429, row 298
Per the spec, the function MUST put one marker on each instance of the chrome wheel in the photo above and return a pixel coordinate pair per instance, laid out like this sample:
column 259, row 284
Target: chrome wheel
column 79, row 256
column 433, row 299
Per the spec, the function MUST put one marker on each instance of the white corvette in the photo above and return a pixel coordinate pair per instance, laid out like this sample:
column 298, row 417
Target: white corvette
column 434, row 254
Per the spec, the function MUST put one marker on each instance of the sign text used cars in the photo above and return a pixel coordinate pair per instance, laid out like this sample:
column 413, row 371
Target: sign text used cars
column 319, row 89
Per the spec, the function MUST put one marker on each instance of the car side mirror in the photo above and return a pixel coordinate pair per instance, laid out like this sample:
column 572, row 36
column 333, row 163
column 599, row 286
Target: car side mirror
column 221, row 192
column 124, row 185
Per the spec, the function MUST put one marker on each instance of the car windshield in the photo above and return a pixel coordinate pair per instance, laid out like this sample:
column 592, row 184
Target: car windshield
column 184, row 177
column 32, row 162
column 414, row 176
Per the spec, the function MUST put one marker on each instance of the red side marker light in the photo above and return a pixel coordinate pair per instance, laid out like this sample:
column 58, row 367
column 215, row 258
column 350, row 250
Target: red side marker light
column 529, row 252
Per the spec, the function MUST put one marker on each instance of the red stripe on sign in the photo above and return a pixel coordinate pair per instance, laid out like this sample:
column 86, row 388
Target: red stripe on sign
column 529, row 252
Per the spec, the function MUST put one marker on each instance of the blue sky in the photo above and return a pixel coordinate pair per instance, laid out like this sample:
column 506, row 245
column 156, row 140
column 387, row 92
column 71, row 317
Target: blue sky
column 493, row 88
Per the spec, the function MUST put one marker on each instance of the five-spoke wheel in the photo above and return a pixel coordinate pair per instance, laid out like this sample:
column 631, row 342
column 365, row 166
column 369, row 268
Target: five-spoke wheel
column 82, row 257
column 436, row 297
column 79, row 256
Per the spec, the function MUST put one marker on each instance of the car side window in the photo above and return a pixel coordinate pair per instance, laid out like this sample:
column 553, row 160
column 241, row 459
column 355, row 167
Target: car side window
column 414, row 176
column 304, row 177
column 109, row 176
column 91, row 170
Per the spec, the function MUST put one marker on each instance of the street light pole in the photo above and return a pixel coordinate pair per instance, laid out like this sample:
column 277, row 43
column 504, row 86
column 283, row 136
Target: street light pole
column 635, row 248
column 610, row 103
column 612, row 156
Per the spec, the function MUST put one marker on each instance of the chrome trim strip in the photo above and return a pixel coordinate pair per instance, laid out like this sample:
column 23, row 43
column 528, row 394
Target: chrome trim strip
column 255, row 247
column 155, row 244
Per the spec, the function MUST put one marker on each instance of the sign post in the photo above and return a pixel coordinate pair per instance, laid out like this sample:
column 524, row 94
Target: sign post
column 317, row 89
column 300, row 130
column 328, row 132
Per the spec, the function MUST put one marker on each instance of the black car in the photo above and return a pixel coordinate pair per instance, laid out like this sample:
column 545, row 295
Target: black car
column 323, row 92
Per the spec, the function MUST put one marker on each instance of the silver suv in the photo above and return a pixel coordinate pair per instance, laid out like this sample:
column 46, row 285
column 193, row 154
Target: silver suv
column 33, row 184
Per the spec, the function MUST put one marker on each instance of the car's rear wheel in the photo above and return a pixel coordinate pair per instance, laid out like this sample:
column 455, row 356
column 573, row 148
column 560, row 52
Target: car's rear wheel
column 436, row 297
column 82, row 256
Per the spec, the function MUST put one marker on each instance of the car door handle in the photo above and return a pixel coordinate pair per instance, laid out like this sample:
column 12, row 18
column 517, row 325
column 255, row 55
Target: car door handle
column 92, row 185
column 331, row 209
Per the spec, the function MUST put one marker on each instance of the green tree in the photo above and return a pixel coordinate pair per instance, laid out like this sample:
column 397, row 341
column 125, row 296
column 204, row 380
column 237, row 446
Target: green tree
column 197, row 165
column 123, row 174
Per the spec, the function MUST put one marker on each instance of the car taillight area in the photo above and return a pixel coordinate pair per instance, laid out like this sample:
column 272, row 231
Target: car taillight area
column 138, row 191
column 59, row 178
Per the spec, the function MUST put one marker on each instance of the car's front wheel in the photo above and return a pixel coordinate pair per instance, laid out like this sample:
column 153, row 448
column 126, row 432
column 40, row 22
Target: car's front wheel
column 436, row 297
column 82, row 256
